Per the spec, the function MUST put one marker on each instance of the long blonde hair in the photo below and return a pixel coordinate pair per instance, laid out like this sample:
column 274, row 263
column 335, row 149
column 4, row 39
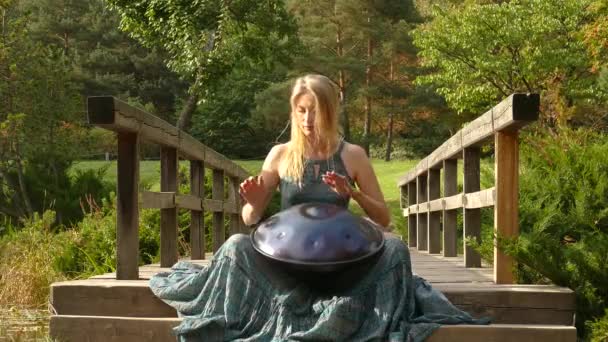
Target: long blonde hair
column 325, row 94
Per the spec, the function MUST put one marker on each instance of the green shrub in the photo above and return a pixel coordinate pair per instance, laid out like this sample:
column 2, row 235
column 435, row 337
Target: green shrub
column 93, row 249
column 564, row 216
column 599, row 329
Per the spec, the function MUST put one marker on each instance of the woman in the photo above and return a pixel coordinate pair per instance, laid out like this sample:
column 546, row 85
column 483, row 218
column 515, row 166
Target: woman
column 240, row 296
column 315, row 165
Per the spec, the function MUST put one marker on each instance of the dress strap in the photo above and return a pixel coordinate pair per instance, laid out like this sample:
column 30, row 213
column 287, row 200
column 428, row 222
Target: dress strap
column 340, row 147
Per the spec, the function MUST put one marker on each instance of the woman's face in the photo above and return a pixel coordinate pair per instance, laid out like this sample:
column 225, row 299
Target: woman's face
column 305, row 114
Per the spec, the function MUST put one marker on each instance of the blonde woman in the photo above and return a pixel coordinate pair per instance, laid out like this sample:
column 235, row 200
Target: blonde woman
column 241, row 296
column 315, row 165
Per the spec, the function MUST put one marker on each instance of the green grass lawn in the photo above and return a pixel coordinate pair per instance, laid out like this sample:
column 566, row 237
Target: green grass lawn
column 149, row 171
column 388, row 174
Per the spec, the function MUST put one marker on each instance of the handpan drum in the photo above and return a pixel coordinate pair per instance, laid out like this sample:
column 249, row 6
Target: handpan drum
column 318, row 238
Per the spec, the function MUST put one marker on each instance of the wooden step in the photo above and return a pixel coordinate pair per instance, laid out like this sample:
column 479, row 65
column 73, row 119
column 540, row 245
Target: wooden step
column 131, row 329
column 506, row 304
column 504, row 333
column 112, row 329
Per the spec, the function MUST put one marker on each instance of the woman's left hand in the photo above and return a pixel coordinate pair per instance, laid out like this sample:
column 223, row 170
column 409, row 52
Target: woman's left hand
column 338, row 183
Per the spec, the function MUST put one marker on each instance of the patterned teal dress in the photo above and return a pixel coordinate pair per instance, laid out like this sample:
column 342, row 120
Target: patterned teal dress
column 242, row 297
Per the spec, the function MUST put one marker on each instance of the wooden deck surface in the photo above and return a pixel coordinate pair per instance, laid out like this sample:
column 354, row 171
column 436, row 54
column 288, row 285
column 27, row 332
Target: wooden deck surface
column 432, row 267
column 438, row 269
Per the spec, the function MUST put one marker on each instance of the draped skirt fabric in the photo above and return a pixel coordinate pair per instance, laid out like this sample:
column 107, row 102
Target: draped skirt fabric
column 241, row 296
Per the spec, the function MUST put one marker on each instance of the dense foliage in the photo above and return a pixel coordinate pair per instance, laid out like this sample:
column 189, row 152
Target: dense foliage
column 564, row 216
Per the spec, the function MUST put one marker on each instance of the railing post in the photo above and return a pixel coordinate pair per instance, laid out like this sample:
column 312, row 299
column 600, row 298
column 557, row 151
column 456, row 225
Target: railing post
column 197, row 227
column 219, row 236
column 127, row 207
column 233, row 199
column 411, row 218
column 472, row 217
column 168, row 216
column 422, row 224
column 434, row 228
column 506, row 216
column 450, row 188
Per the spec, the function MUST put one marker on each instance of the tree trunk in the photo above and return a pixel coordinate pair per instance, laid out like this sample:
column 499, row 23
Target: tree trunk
column 389, row 138
column 389, row 133
column 185, row 117
column 342, row 86
column 16, row 210
column 23, row 189
column 368, row 100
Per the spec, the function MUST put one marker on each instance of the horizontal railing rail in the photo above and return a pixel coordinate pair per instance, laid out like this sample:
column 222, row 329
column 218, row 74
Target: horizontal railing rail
column 429, row 212
column 132, row 125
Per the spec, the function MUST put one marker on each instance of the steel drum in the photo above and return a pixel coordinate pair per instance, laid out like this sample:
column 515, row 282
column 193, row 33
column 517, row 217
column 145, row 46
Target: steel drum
column 318, row 238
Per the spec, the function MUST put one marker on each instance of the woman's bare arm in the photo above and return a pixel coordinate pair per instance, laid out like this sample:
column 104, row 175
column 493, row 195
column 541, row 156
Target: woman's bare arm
column 257, row 191
column 369, row 196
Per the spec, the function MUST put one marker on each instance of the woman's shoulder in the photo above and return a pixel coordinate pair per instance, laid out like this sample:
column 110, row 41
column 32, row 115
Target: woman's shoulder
column 276, row 153
column 353, row 151
column 278, row 150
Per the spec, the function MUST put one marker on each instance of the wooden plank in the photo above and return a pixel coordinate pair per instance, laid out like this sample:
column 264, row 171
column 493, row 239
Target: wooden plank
column 108, row 297
column 157, row 200
column 408, row 177
column 413, row 209
column 512, row 113
column 197, row 226
column 507, row 315
column 506, row 216
column 520, row 111
column 472, row 217
column 411, row 217
column 112, row 329
column 479, row 199
column 116, row 115
column 233, row 204
column 422, row 167
column 422, row 221
column 229, row 207
column 105, row 297
column 127, row 208
column 190, row 202
column 168, row 216
column 218, row 216
column 478, row 131
column 213, row 205
column 436, row 205
column 510, row 296
column 452, row 148
column 122, row 329
column 450, row 188
column 503, row 333
column 434, row 218
column 453, row 202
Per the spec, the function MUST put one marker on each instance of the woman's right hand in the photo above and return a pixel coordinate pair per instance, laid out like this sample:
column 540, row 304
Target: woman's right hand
column 253, row 191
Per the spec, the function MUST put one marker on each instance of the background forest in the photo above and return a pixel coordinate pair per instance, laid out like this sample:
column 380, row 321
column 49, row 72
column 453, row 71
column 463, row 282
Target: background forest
column 410, row 73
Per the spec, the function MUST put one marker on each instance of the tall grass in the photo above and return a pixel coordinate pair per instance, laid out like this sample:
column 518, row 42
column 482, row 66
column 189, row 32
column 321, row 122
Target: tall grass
column 25, row 270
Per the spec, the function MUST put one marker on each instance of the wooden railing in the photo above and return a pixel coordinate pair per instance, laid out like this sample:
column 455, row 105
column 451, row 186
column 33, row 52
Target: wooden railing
column 424, row 205
column 133, row 125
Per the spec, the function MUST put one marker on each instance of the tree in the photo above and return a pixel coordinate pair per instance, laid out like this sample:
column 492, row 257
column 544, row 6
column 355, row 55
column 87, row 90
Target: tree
column 38, row 138
column 331, row 40
column 483, row 53
column 104, row 60
column 205, row 40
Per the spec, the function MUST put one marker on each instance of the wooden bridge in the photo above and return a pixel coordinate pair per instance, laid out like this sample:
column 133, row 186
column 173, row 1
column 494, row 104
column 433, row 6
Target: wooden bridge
column 120, row 306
